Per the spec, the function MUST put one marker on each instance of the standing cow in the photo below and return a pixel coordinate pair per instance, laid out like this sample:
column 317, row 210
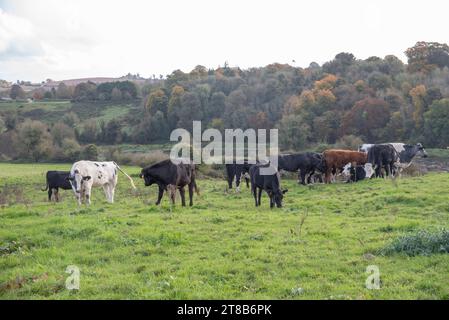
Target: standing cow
column 56, row 180
column 85, row 175
column 237, row 171
column 171, row 175
column 406, row 153
column 336, row 159
column 270, row 182
column 383, row 156
column 306, row 164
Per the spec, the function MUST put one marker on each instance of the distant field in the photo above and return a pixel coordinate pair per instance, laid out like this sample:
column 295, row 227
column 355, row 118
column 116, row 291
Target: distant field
column 54, row 110
column 223, row 247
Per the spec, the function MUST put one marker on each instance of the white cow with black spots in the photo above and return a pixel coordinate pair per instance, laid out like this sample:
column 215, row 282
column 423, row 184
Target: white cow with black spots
column 86, row 175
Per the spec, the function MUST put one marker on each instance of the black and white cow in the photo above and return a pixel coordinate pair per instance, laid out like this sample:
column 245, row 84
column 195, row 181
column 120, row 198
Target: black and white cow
column 383, row 156
column 306, row 163
column 269, row 181
column 406, row 153
column 171, row 176
column 358, row 173
column 85, row 175
column 56, row 180
column 236, row 171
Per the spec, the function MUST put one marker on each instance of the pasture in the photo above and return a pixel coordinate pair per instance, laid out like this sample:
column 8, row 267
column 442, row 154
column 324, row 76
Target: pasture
column 317, row 247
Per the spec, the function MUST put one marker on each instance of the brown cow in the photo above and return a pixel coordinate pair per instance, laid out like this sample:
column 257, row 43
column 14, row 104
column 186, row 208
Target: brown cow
column 336, row 159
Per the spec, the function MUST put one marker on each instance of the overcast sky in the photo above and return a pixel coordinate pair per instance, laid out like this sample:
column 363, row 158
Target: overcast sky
column 64, row 39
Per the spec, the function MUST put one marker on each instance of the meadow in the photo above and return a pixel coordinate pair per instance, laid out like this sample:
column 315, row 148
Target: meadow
column 318, row 246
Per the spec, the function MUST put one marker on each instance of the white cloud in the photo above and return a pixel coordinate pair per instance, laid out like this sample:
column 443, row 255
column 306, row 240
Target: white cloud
column 79, row 38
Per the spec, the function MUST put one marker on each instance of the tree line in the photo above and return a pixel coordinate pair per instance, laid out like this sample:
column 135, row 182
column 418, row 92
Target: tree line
column 345, row 101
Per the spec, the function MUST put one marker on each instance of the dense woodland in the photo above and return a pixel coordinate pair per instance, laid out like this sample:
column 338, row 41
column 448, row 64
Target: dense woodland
column 345, row 101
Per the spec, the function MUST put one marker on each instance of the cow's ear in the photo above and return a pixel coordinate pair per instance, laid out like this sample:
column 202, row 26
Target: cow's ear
column 284, row 191
column 87, row 178
column 141, row 176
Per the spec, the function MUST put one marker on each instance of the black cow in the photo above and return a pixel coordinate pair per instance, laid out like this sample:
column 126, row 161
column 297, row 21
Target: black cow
column 171, row 175
column 236, row 171
column 271, row 183
column 307, row 163
column 56, row 180
column 383, row 156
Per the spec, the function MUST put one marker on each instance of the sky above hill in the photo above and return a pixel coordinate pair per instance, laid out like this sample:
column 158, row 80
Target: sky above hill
column 56, row 39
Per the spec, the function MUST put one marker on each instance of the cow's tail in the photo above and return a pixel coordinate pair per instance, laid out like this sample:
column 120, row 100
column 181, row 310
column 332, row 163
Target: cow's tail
column 130, row 179
column 46, row 187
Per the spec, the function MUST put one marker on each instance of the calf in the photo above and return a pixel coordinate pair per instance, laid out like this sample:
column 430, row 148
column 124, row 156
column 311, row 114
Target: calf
column 306, row 164
column 85, row 175
column 336, row 159
column 56, row 180
column 271, row 183
column 171, row 175
column 383, row 156
column 358, row 173
column 235, row 170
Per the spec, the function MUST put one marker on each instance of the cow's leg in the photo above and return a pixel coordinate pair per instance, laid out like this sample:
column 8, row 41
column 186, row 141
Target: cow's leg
column 327, row 175
column 107, row 192
column 259, row 196
column 191, row 194
column 159, row 196
column 50, row 191
column 271, row 202
column 182, row 192
column 303, row 177
column 57, row 194
column 230, row 178
column 254, row 192
column 87, row 194
column 237, row 182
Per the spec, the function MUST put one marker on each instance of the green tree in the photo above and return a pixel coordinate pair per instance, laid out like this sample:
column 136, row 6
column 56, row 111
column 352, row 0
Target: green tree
column 34, row 141
column 436, row 129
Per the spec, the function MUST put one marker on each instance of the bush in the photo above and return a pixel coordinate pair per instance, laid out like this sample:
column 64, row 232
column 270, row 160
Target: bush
column 419, row 243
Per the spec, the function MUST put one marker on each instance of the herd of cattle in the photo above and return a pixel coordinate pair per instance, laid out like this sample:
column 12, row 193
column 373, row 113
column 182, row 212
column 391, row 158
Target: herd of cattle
column 371, row 160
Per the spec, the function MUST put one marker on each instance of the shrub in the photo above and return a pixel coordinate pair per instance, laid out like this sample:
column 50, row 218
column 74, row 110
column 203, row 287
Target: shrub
column 419, row 243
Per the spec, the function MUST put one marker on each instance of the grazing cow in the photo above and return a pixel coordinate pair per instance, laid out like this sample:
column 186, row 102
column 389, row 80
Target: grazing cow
column 56, row 180
column 358, row 173
column 306, row 163
column 271, row 183
column 171, row 175
column 234, row 170
column 336, row 159
column 85, row 175
column 383, row 156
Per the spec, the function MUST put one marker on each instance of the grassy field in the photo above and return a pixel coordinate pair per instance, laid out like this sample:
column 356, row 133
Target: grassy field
column 317, row 247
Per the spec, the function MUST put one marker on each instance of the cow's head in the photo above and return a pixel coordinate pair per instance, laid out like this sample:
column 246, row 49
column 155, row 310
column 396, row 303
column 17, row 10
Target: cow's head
column 148, row 180
column 347, row 170
column 421, row 151
column 277, row 196
column 321, row 163
column 77, row 180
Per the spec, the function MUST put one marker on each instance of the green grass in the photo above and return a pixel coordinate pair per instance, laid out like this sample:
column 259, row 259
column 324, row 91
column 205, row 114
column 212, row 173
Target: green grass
column 223, row 247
